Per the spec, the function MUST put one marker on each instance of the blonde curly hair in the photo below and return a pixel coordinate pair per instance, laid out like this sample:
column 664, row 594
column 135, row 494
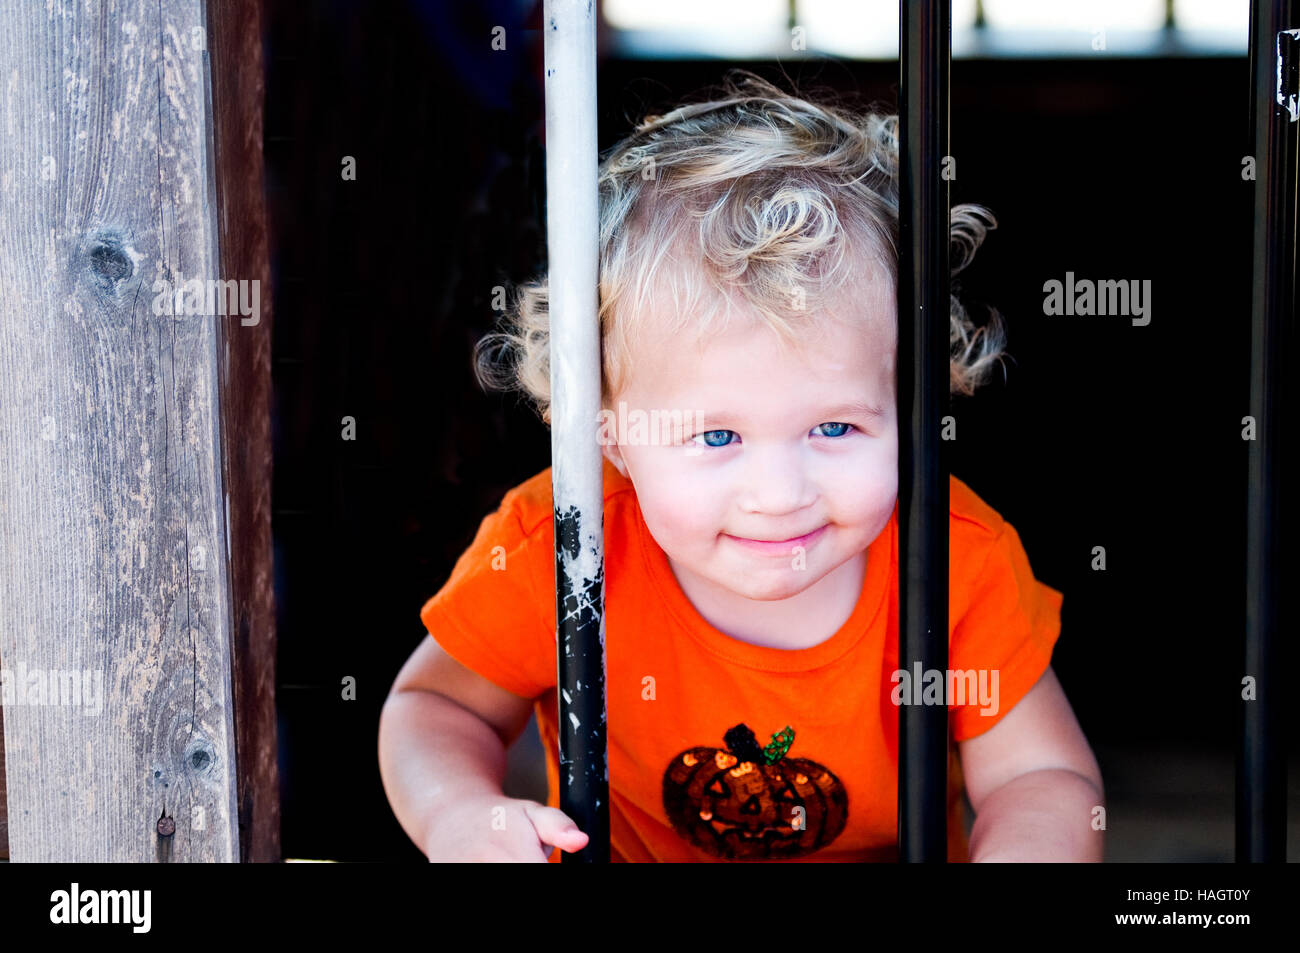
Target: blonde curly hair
column 764, row 194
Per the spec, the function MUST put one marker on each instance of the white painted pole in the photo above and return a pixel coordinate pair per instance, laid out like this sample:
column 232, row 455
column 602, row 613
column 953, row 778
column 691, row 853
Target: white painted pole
column 572, row 205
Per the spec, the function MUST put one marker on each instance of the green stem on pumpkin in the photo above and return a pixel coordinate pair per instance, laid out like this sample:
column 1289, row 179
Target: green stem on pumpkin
column 779, row 745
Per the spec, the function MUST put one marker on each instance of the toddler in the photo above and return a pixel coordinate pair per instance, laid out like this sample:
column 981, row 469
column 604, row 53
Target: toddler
column 748, row 264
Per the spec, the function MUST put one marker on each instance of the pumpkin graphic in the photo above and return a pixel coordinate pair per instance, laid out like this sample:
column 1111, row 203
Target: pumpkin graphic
column 744, row 802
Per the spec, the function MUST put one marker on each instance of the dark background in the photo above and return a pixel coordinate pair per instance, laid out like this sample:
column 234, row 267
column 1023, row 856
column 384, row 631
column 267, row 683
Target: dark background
column 1103, row 433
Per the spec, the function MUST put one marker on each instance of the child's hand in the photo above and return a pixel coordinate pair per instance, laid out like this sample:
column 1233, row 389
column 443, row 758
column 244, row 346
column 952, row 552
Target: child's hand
column 498, row 829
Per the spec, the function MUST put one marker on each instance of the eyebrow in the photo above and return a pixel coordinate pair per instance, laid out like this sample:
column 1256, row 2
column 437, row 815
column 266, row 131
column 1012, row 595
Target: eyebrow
column 853, row 408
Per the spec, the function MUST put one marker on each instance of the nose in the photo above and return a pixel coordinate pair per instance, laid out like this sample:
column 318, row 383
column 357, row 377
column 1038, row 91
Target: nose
column 775, row 481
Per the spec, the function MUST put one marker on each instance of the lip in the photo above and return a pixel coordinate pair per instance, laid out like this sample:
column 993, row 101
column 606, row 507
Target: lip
column 781, row 547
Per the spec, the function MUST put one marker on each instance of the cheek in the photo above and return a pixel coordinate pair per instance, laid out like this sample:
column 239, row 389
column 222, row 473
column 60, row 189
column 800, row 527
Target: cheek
column 862, row 502
column 679, row 512
column 859, row 487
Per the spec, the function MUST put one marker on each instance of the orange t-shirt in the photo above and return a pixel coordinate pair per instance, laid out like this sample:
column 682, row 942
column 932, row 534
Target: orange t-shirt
column 686, row 783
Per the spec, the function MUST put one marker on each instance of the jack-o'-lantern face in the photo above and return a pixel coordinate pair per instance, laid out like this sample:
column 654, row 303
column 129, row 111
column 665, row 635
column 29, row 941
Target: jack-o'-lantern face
column 748, row 802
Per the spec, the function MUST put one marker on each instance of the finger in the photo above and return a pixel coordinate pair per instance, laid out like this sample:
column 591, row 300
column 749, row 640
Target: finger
column 555, row 828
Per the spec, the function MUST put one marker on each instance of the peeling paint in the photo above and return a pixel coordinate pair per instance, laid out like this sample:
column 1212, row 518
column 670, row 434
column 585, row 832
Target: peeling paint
column 1288, row 99
column 570, row 63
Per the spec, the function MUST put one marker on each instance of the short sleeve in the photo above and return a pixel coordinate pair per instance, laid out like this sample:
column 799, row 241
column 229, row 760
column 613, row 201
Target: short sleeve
column 490, row 615
column 1005, row 635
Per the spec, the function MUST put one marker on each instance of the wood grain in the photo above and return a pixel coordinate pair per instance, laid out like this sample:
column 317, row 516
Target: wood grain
column 4, row 800
column 114, row 536
column 238, row 90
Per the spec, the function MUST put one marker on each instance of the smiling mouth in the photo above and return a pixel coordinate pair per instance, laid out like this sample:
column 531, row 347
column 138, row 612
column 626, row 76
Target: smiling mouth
column 779, row 545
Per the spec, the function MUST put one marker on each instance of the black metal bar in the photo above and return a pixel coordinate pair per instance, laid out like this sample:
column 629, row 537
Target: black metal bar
column 1261, row 767
column 572, row 204
column 925, row 51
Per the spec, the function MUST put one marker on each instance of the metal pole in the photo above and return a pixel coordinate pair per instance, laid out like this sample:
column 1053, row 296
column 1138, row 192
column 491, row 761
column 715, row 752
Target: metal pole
column 1275, row 112
column 572, row 240
column 925, row 47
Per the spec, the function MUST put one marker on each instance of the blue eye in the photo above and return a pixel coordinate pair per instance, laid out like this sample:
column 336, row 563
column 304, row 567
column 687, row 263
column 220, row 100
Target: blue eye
column 715, row 433
column 722, row 438
column 836, row 433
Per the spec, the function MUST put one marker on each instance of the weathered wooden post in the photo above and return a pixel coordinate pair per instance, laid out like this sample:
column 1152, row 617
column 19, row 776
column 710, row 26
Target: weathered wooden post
column 925, row 44
column 573, row 254
column 135, row 552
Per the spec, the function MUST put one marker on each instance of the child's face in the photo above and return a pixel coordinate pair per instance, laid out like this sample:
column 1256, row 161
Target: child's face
column 771, row 458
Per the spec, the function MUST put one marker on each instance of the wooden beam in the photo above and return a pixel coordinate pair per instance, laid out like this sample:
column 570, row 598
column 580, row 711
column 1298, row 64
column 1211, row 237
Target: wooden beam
column 134, row 450
column 238, row 92
column 4, row 799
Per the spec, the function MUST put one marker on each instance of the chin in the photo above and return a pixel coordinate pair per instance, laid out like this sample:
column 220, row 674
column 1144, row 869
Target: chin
column 774, row 586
